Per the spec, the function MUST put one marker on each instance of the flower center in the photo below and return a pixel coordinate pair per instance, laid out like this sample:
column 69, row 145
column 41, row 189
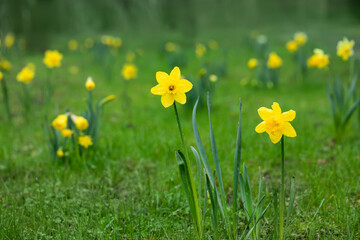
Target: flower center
column 171, row 88
column 273, row 125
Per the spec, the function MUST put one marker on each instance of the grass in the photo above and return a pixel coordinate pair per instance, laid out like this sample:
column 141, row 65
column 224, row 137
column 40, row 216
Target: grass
column 131, row 189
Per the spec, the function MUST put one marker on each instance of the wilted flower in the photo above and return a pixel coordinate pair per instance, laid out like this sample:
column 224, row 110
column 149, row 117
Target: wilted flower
column 319, row 59
column 81, row 123
column 52, row 58
column 274, row 61
column 85, row 141
column 275, row 123
column 66, row 133
column 60, row 122
column 73, row 45
column 171, row 87
column 292, row 46
column 129, row 71
column 26, row 75
column 300, row 38
column 9, row 40
column 252, row 63
column 345, row 48
column 200, row 50
column 89, row 85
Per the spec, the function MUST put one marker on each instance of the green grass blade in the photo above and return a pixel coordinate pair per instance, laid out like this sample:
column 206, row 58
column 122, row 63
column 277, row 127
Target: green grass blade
column 199, row 169
column 350, row 112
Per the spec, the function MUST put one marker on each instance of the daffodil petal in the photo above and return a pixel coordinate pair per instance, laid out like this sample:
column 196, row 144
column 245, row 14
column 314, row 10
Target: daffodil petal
column 180, row 97
column 184, row 85
column 158, row 90
column 288, row 116
column 288, row 130
column 265, row 113
column 167, row 100
column 276, row 108
column 261, row 127
column 175, row 74
column 275, row 138
column 162, row 77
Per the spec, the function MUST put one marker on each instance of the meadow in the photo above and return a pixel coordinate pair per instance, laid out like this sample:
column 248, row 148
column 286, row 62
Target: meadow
column 129, row 186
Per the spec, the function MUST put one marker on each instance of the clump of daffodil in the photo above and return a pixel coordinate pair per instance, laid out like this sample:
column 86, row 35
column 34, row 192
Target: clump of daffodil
column 60, row 122
column 89, row 43
column 129, row 71
column 274, row 61
column 52, row 58
column 200, row 50
column 252, row 63
column 5, row 65
column 319, row 59
column 277, row 125
column 85, row 141
column 171, row 87
column 213, row 45
column 130, row 56
column 81, row 123
column 66, row 133
column 292, row 46
column 300, row 38
column 171, row 47
column 26, row 75
column 213, row 78
column 89, row 84
column 73, row 45
column 345, row 48
column 9, row 40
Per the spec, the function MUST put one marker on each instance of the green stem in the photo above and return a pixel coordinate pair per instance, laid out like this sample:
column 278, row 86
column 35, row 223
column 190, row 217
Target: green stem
column 180, row 130
column 6, row 99
column 282, row 190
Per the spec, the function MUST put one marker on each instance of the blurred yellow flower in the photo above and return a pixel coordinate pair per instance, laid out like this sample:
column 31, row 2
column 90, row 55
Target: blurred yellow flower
column 52, row 58
column 9, row 40
column 130, row 56
column 292, row 46
column 213, row 78
column 66, row 133
column 345, row 48
column 171, row 47
column 275, row 123
column 60, row 153
column 89, row 85
column 89, row 43
column 31, row 66
column 5, row 65
column 202, row 72
column 81, row 123
column 274, row 61
column 73, row 45
column 319, row 59
column 200, row 50
column 85, row 141
column 60, row 122
column 106, row 40
column 1, row 76
column 171, row 87
column 116, row 42
column 129, row 71
column 300, row 38
column 26, row 75
column 252, row 63
column 73, row 69
column 213, row 45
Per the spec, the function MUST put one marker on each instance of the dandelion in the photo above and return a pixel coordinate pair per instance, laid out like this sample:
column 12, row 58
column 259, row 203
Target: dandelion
column 171, row 47
column 9, row 40
column 26, row 75
column 274, row 61
column 52, row 58
column 60, row 153
column 129, row 71
column 60, row 122
column 319, row 59
column 89, row 85
column 171, row 87
column 81, row 123
column 66, row 133
column 85, row 141
column 73, row 45
column 292, row 46
column 252, row 63
column 300, row 38
column 200, row 50
column 345, row 48
column 5, row 65
column 213, row 78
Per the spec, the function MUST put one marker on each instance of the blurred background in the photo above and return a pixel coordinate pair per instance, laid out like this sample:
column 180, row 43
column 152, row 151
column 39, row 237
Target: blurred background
column 40, row 22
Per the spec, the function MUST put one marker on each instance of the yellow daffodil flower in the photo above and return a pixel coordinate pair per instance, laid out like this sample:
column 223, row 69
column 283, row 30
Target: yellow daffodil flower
column 1, row 76
column 73, row 45
column 81, row 123
column 26, row 75
column 9, row 40
column 90, row 84
column 171, row 87
column 292, row 46
column 129, row 71
column 200, row 50
column 252, row 63
column 60, row 153
column 202, row 72
column 275, row 123
column 85, row 141
column 274, row 61
column 60, row 122
column 66, row 133
column 345, row 48
column 107, row 99
column 89, row 43
column 319, row 59
column 300, row 38
column 213, row 78
column 5, row 65
column 52, row 58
